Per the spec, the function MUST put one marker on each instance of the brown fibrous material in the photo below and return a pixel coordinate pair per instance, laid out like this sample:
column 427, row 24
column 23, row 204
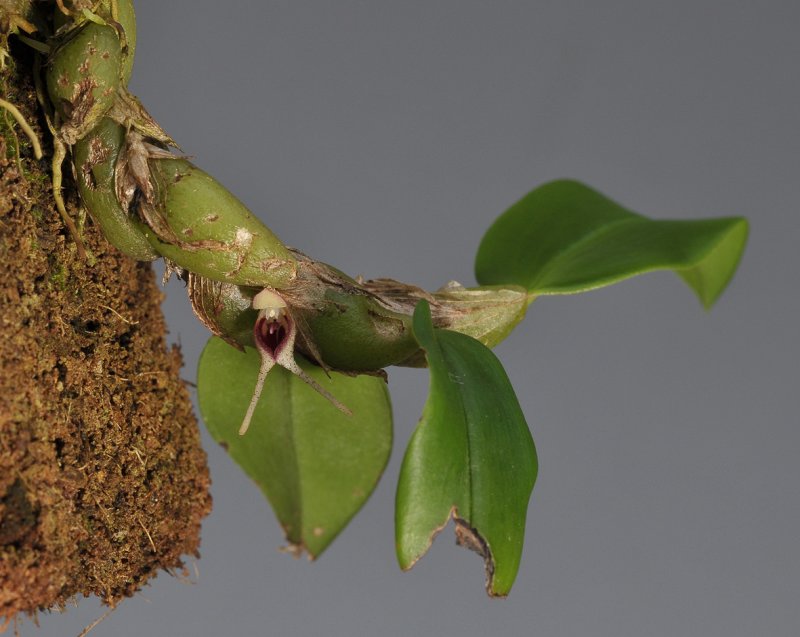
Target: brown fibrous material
column 102, row 478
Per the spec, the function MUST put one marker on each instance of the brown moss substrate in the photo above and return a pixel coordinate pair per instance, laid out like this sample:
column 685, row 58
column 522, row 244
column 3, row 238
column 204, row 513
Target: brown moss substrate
column 102, row 478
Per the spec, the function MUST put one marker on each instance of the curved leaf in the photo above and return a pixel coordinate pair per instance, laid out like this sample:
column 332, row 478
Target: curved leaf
column 315, row 465
column 471, row 458
column 564, row 237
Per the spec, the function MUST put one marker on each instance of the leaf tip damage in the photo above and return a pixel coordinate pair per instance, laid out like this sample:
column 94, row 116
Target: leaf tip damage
column 297, row 550
column 469, row 537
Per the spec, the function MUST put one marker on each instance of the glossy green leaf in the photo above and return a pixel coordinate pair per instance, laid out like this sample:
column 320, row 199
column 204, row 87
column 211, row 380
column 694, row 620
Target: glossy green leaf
column 564, row 237
column 316, row 465
column 471, row 458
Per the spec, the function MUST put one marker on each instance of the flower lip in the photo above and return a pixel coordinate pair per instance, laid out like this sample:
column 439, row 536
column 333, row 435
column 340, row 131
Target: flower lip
column 271, row 333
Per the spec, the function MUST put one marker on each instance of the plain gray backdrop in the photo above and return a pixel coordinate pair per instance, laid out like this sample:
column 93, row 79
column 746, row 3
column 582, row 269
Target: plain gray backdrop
column 384, row 138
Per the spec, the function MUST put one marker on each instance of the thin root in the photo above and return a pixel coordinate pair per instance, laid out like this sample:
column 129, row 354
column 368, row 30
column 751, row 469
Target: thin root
column 59, row 154
column 147, row 533
column 119, row 316
column 62, row 8
column 16, row 148
column 23, row 124
column 94, row 624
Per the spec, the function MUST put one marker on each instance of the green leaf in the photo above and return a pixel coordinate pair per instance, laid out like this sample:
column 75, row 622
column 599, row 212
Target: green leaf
column 564, row 237
column 471, row 458
column 315, row 465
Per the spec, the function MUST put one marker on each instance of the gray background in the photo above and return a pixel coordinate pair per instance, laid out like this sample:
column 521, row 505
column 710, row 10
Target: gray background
column 384, row 137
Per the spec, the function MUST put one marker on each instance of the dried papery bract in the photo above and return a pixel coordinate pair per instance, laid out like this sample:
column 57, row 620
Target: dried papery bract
column 274, row 334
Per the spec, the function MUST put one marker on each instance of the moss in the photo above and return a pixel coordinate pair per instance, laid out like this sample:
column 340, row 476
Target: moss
column 9, row 134
column 93, row 413
column 59, row 276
